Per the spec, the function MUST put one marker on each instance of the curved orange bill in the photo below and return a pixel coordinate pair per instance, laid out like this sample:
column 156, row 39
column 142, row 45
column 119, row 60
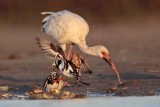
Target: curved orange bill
column 108, row 60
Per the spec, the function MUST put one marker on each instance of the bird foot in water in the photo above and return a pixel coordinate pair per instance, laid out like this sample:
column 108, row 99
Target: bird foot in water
column 66, row 84
column 120, row 85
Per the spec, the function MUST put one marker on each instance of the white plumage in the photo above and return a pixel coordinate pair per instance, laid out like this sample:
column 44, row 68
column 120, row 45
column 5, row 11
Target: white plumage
column 57, row 23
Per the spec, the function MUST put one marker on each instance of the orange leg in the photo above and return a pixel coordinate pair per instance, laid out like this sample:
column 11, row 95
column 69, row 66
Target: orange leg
column 64, row 48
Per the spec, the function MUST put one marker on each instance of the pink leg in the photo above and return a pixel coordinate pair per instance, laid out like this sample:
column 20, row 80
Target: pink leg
column 69, row 52
column 67, row 84
column 65, row 53
column 64, row 48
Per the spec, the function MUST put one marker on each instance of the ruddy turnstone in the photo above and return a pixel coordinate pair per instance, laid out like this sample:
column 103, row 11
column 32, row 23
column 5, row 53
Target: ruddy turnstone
column 67, row 70
column 68, row 28
column 70, row 72
column 54, row 82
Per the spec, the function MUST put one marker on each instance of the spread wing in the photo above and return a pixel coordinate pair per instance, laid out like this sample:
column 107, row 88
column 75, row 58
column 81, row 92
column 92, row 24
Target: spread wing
column 50, row 49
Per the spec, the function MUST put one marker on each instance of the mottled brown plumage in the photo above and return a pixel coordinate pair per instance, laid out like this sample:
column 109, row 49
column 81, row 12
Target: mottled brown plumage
column 80, row 63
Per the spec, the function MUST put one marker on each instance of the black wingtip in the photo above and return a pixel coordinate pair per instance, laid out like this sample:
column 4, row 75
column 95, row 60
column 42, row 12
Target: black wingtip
column 37, row 39
column 43, row 23
column 86, row 69
column 89, row 71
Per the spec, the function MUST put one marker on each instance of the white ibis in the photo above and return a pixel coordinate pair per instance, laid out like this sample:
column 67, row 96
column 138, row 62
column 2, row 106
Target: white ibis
column 68, row 28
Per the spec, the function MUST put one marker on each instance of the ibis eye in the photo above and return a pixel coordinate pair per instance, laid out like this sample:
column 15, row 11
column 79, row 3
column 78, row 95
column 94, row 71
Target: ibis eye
column 103, row 52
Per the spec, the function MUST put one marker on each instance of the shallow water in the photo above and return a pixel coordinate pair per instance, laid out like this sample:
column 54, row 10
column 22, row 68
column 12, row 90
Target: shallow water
column 109, row 101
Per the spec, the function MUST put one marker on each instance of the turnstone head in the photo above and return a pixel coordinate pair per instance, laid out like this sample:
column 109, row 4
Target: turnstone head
column 53, row 83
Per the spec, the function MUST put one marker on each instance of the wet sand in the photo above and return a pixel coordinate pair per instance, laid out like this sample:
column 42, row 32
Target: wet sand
column 134, row 48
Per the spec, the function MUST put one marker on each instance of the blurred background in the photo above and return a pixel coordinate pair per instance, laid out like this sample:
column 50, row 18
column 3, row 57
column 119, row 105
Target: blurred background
column 130, row 29
column 97, row 11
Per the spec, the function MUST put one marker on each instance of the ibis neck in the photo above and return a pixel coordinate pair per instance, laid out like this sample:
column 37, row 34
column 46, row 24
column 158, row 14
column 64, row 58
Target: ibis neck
column 88, row 50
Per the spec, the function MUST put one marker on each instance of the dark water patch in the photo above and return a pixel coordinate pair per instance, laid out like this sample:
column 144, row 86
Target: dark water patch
column 130, row 75
column 3, row 78
column 7, row 78
column 136, row 75
column 2, row 68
